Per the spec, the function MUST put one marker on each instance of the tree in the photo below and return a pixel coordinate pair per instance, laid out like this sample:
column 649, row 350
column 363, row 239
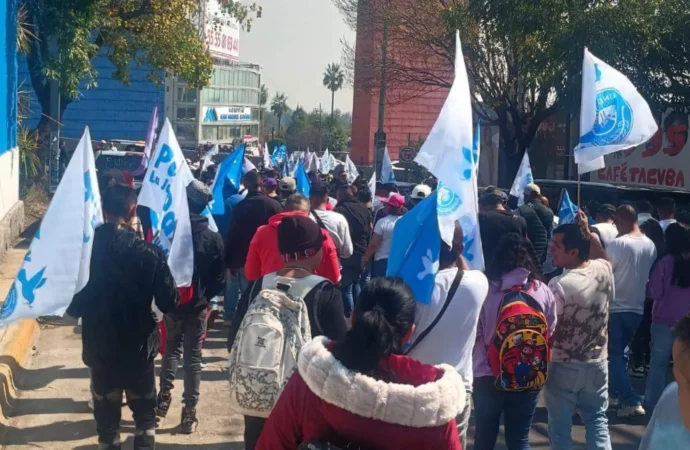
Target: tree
column 163, row 35
column 333, row 79
column 279, row 107
column 523, row 58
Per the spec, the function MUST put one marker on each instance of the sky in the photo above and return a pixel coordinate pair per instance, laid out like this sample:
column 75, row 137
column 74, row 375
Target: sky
column 293, row 42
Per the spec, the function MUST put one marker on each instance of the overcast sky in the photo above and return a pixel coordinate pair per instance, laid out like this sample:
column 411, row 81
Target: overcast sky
column 293, row 42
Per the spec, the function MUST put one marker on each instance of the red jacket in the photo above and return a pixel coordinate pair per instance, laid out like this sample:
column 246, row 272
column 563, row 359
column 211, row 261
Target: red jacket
column 263, row 257
column 325, row 401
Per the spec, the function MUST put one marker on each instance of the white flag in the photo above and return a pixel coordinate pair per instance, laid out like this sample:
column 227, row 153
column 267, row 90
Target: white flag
column 208, row 158
column 326, row 163
column 613, row 115
column 387, row 174
column 315, row 165
column 375, row 202
column 522, row 179
column 247, row 166
column 350, row 170
column 56, row 267
column 164, row 191
column 268, row 164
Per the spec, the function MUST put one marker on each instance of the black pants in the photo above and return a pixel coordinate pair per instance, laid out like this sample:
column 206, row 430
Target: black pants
column 107, row 389
column 641, row 344
column 253, row 426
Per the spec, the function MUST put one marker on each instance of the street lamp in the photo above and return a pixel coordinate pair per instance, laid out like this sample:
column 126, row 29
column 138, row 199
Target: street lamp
column 380, row 135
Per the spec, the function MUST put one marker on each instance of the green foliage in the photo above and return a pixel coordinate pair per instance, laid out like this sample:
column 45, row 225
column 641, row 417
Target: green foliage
column 333, row 79
column 263, row 96
column 279, row 107
column 315, row 132
column 29, row 161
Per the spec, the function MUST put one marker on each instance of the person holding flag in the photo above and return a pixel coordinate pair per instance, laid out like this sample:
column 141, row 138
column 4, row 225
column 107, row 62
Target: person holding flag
column 538, row 217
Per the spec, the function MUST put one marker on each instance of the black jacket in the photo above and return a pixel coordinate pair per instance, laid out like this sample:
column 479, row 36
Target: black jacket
column 209, row 266
column 249, row 214
column 539, row 224
column 360, row 221
column 331, row 315
column 493, row 225
column 119, row 331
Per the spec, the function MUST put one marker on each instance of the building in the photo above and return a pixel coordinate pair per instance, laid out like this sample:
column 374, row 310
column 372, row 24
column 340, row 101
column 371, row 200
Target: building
column 11, row 209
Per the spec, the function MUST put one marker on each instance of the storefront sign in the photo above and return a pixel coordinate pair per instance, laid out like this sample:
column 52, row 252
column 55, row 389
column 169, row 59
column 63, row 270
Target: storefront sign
column 226, row 114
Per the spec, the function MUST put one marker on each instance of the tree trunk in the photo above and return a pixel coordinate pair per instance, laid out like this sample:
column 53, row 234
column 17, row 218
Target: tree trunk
column 332, row 103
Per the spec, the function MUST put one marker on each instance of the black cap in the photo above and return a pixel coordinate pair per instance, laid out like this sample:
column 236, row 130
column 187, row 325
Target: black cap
column 607, row 211
column 299, row 238
column 492, row 196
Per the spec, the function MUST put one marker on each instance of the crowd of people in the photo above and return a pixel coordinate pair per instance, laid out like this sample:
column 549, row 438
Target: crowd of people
column 327, row 351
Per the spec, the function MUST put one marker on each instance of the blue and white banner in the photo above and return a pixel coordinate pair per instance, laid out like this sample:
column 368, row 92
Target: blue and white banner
column 279, row 155
column 229, row 171
column 451, row 155
column 613, row 115
column 56, row 267
column 350, row 170
column 567, row 212
column 267, row 163
column 387, row 174
column 302, row 180
column 522, row 179
column 164, row 192
column 292, row 164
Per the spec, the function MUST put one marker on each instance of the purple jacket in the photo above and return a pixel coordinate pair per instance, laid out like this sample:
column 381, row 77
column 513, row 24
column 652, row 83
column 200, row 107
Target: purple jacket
column 671, row 303
column 487, row 318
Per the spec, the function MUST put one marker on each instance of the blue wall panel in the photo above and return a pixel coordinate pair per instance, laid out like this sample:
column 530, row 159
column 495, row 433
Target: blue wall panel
column 8, row 76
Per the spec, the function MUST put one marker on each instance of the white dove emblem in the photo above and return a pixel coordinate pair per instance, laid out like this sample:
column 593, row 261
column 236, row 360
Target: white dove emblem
column 430, row 266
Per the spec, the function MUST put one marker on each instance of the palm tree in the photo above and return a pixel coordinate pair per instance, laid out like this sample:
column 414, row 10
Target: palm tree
column 333, row 79
column 279, row 107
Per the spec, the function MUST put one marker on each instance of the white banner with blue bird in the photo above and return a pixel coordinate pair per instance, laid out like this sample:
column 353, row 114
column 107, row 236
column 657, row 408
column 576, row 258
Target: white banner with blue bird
column 57, row 264
column 522, row 179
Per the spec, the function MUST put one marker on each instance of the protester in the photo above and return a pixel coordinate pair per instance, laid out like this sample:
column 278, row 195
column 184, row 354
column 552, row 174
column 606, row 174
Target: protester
column 539, row 220
column 380, row 245
column 419, row 193
column 249, row 214
column 361, row 392
column 119, row 331
column 516, row 271
column 110, row 177
column 446, row 328
column 605, row 227
column 495, row 221
column 270, row 186
column 578, row 371
column 360, row 223
column 644, row 211
column 264, row 258
column 300, row 243
column 185, row 326
column 286, row 187
column 667, row 212
column 670, row 424
column 334, row 222
column 632, row 255
column 669, row 289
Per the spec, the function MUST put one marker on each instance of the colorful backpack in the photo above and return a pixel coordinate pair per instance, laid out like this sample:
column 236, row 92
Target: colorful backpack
column 519, row 352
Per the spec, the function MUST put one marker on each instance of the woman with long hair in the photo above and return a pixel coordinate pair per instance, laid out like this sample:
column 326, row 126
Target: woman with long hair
column 514, row 268
column 362, row 391
column 380, row 244
column 669, row 289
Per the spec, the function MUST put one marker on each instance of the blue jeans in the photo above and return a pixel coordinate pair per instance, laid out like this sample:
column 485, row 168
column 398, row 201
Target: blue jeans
column 657, row 379
column 582, row 386
column 517, row 408
column 351, row 283
column 622, row 327
column 234, row 287
column 379, row 268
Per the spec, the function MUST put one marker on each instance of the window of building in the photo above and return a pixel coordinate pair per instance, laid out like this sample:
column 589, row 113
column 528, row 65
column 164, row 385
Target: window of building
column 186, row 131
column 186, row 95
column 186, row 113
column 209, row 133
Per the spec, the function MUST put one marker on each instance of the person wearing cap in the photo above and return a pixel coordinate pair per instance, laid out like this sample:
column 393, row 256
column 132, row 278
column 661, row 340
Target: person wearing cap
column 270, row 187
column 185, row 326
column 300, row 243
column 606, row 226
column 380, row 245
column 539, row 220
column 495, row 221
column 419, row 193
column 334, row 222
column 286, row 187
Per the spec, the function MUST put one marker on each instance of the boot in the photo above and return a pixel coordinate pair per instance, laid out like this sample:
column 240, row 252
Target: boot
column 163, row 404
column 189, row 421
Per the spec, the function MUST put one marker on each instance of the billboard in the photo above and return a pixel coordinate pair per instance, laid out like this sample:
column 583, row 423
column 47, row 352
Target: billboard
column 222, row 32
column 226, row 113
column 663, row 162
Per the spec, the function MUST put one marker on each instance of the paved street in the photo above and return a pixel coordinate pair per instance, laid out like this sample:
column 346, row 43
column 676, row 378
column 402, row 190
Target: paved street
column 52, row 413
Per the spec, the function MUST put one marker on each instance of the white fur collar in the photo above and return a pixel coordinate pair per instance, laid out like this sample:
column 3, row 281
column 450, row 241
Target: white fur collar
column 428, row 405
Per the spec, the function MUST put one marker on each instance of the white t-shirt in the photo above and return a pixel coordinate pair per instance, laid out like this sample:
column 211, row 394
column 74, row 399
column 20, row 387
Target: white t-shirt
column 384, row 228
column 337, row 225
column 632, row 258
column 452, row 339
column 608, row 232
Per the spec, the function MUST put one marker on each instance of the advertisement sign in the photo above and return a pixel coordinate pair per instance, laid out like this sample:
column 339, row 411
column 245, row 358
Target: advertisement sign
column 663, row 162
column 226, row 114
column 222, row 32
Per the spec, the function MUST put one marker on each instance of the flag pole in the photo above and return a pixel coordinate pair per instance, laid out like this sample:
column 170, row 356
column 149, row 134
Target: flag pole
column 578, row 188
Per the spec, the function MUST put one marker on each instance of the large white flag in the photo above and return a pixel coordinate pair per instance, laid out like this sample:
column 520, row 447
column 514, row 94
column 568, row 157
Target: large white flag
column 387, row 174
column 164, row 191
column 350, row 170
column 208, row 158
column 57, row 264
column 326, row 163
column 522, row 179
column 268, row 164
column 450, row 154
column 613, row 115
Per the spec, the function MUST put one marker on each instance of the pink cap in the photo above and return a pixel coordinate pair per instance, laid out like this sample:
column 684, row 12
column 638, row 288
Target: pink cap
column 394, row 200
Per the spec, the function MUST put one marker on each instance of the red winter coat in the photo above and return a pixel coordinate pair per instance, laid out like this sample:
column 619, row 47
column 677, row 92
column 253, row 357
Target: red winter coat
column 263, row 257
column 325, row 401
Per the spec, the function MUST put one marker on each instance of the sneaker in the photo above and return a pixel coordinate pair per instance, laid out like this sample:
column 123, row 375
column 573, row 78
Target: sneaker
column 163, row 404
column 636, row 372
column 613, row 403
column 203, row 363
column 189, row 421
column 632, row 411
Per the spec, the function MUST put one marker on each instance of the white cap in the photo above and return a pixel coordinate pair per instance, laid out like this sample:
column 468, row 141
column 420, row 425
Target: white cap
column 532, row 188
column 420, row 191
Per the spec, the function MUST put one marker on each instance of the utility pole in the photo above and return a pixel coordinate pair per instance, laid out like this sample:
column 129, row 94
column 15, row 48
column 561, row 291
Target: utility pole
column 380, row 136
column 320, row 124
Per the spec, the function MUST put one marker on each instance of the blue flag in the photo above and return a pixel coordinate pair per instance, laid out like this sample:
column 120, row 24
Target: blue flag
column 303, row 184
column 230, row 171
column 416, row 248
column 387, row 174
column 279, row 155
column 567, row 213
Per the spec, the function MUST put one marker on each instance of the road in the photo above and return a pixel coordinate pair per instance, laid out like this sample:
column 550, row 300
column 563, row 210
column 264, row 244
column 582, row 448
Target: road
column 51, row 411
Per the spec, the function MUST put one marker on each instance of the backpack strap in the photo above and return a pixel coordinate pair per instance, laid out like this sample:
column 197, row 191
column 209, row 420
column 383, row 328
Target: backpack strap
column 451, row 293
